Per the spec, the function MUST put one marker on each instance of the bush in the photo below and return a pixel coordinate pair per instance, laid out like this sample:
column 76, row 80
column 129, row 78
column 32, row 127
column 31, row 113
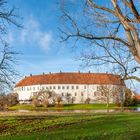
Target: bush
column 58, row 102
column 35, row 103
column 130, row 102
column 8, row 100
column 45, row 103
column 87, row 101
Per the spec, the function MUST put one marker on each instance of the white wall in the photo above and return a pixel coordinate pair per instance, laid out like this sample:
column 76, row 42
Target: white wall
column 88, row 91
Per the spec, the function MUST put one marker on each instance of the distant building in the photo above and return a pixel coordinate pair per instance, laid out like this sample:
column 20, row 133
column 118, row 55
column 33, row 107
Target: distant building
column 77, row 86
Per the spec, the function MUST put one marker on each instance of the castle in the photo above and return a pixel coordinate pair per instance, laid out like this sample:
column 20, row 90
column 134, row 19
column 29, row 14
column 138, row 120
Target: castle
column 77, row 86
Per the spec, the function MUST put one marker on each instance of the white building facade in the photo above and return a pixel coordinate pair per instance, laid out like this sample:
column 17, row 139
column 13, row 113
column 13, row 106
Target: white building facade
column 72, row 87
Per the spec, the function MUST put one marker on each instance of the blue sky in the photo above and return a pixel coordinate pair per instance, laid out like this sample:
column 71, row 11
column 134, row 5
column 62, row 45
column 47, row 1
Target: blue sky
column 39, row 39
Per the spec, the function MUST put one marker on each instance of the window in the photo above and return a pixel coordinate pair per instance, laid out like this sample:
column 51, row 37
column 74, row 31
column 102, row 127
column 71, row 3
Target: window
column 67, row 87
column 58, row 87
column 72, row 87
column 46, row 87
column 53, row 87
column 63, row 87
column 30, row 88
column 77, row 87
column 27, row 89
column 81, row 93
column 50, row 87
column 33, row 88
column 75, row 94
column 62, row 94
column 84, row 87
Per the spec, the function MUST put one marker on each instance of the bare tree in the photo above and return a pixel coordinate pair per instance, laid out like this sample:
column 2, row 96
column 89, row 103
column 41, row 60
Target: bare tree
column 7, row 71
column 109, row 32
column 8, row 17
column 109, row 94
column 105, row 94
column 42, row 98
column 68, row 98
column 8, row 100
column 87, row 101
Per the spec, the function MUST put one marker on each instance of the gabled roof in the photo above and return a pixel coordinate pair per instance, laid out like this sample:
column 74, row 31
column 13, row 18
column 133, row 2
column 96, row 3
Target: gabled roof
column 71, row 78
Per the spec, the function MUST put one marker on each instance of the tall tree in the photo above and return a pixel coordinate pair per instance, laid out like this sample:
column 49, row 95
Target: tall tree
column 8, row 17
column 108, row 30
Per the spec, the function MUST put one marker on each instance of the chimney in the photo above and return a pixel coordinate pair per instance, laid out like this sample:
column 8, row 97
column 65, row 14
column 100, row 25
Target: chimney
column 60, row 71
column 30, row 74
column 43, row 73
column 79, row 72
column 88, row 71
column 49, row 72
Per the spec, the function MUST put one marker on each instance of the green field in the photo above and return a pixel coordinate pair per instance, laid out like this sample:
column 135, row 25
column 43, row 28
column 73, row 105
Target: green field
column 65, row 107
column 109, row 126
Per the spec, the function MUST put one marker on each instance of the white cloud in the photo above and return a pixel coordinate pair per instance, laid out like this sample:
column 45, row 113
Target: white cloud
column 33, row 35
column 45, row 40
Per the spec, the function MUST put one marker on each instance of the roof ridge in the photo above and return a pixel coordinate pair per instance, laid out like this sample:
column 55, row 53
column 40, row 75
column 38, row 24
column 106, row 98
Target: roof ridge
column 72, row 73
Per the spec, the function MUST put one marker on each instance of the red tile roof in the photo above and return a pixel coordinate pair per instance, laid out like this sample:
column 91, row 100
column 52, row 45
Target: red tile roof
column 137, row 97
column 71, row 78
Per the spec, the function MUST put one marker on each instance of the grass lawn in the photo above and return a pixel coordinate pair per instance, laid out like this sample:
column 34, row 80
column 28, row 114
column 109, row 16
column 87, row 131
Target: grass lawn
column 65, row 107
column 112, row 126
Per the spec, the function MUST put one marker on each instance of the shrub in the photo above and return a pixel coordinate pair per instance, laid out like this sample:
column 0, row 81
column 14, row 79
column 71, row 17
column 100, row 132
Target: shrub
column 35, row 102
column 130, row 102
column 58, row 102
column 87, row 101
column 8, row 100
column 45, row 103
